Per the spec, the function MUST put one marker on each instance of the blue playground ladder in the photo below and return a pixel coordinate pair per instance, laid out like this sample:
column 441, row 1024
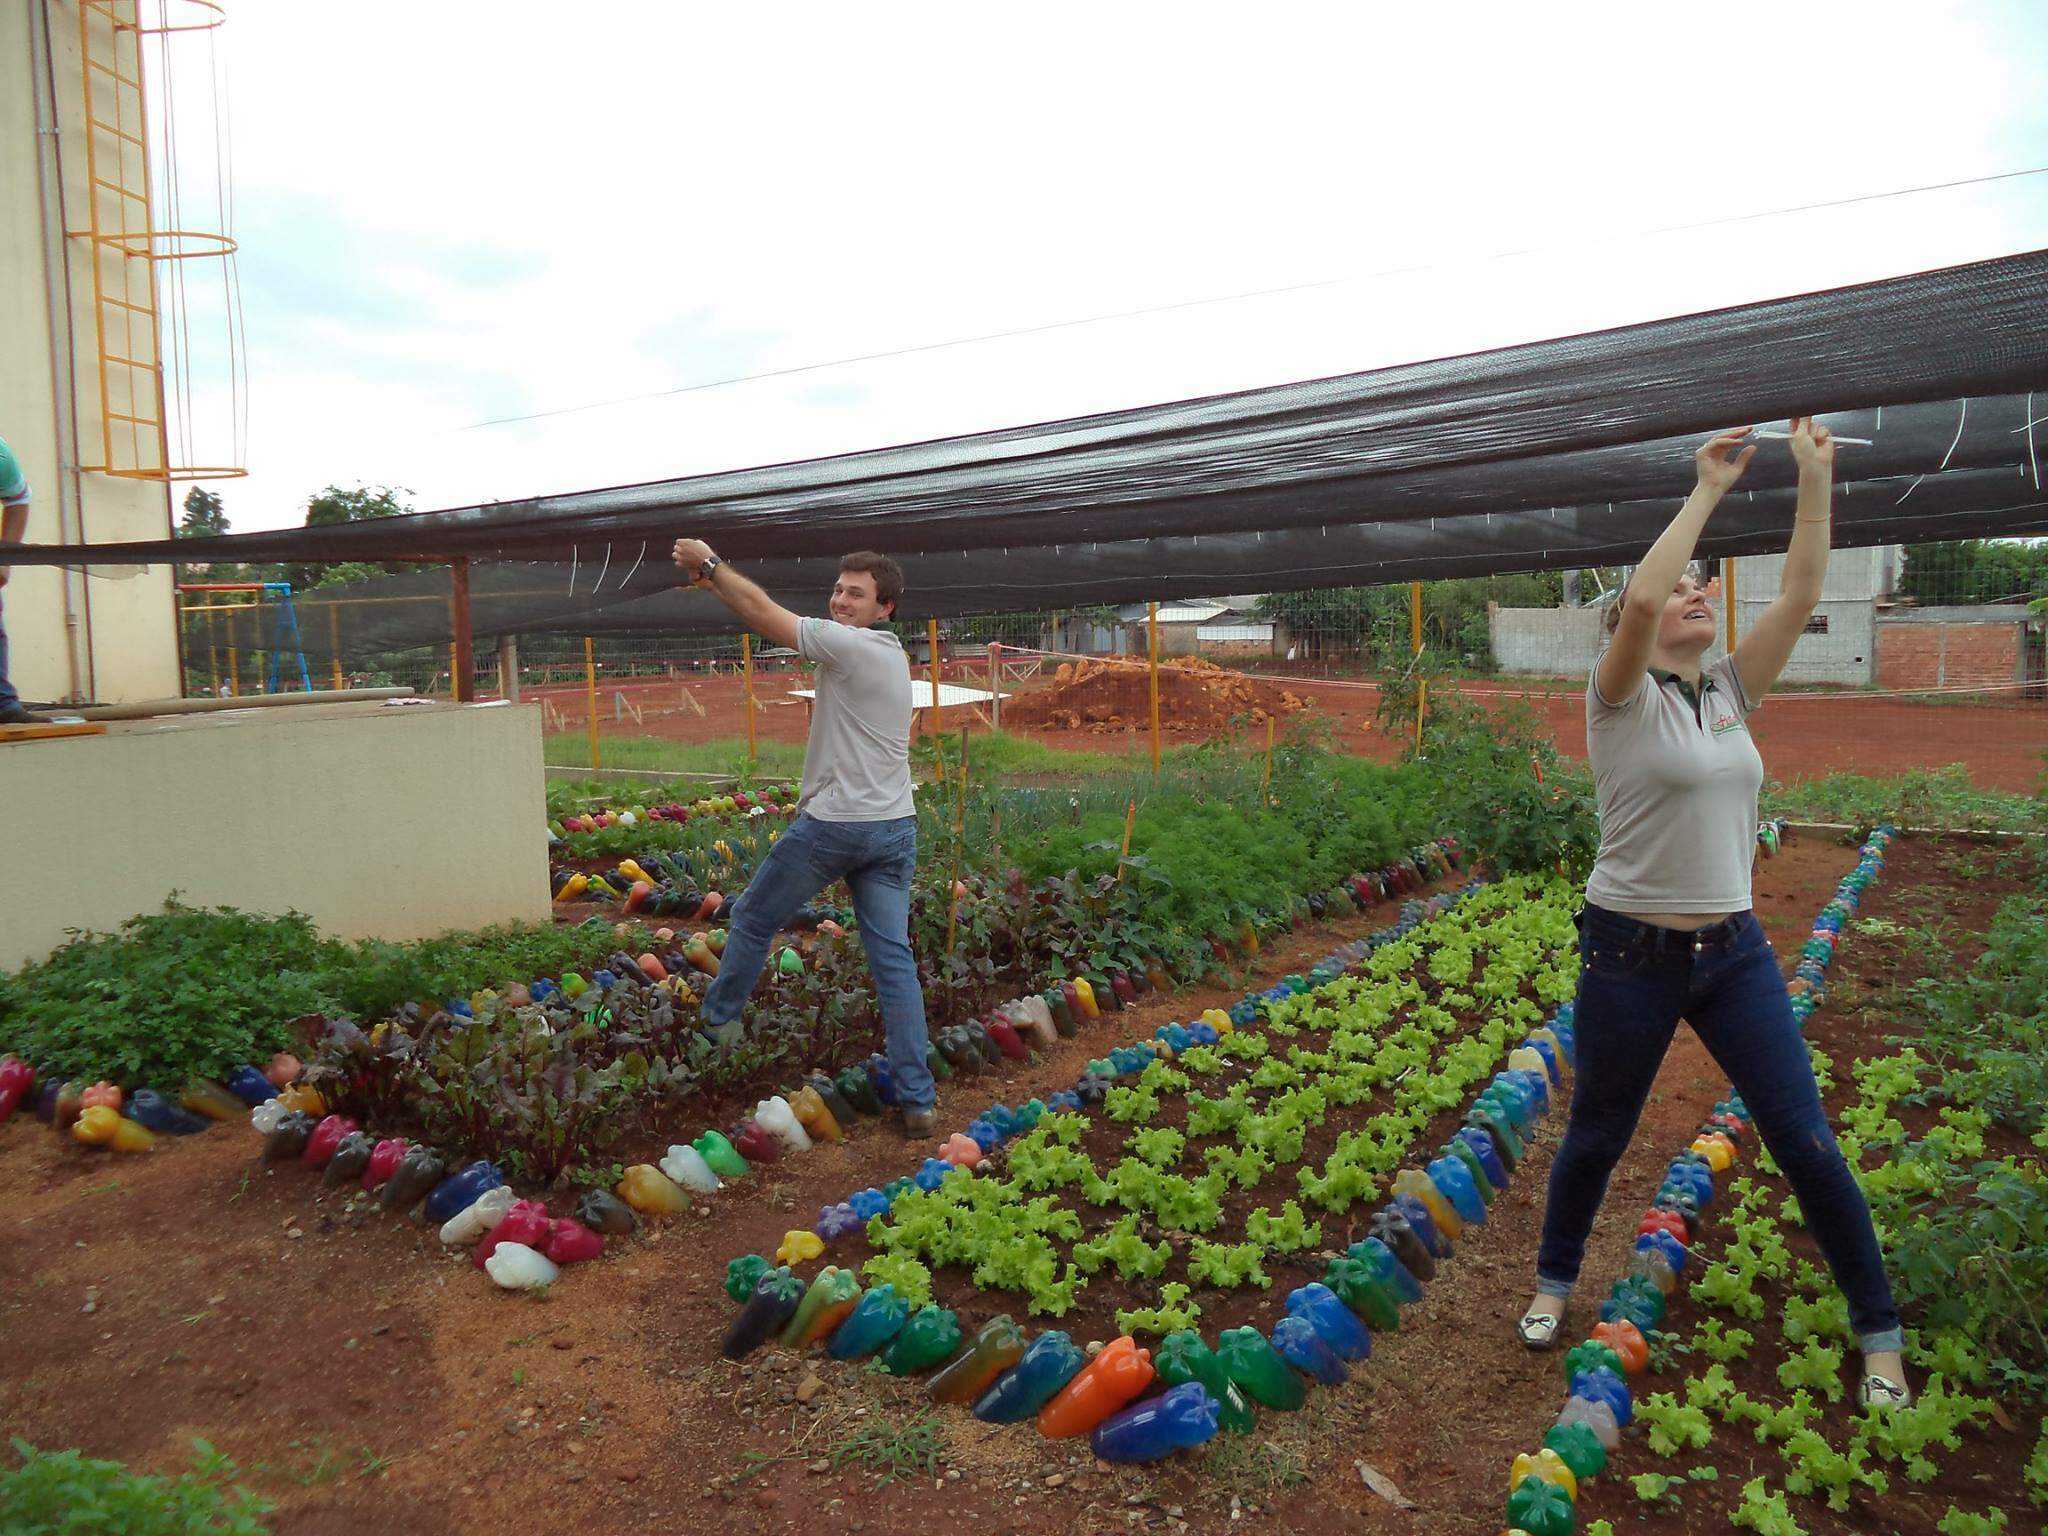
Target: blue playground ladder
column 286, row 621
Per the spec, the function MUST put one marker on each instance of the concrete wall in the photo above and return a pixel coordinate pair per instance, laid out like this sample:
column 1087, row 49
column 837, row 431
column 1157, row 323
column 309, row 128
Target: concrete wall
column 74, row 637
column 1960, row 647
column 378, row 822
column 1562, row 642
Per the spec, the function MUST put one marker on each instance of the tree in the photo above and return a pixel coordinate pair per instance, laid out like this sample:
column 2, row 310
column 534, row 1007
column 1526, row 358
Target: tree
column 1975, row 571
column 335, row 506
column 203, row 517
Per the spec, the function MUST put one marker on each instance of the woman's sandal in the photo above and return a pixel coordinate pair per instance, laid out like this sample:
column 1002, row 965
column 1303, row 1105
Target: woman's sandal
column 1538, row 1330
column 1882, row 1392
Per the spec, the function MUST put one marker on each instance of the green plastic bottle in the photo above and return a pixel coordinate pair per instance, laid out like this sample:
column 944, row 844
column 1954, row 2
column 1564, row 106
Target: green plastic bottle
column 1464, row 1154
column 743, row 1273
column 824, row 1307
column 931, row 1334
column 1364, row 1293
column 1591, row 1356
column 1183, row 1357
column 1251, row 1361
column 1580, row 1448
column 725, row 1161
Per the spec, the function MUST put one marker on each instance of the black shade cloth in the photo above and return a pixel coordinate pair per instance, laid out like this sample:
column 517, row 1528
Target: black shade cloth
column 1565, row 452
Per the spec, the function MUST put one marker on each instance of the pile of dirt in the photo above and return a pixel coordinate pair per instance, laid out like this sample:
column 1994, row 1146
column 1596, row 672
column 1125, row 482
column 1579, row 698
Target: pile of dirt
column 1114, row 695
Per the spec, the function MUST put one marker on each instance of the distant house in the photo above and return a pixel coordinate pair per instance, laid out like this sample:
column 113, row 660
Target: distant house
column 1196, row 627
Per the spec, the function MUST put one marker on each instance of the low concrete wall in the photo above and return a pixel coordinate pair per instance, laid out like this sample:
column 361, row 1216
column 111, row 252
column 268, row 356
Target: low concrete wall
column 378, row 822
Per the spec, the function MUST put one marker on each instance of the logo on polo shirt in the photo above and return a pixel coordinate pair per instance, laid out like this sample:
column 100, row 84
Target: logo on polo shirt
column 1723, row 724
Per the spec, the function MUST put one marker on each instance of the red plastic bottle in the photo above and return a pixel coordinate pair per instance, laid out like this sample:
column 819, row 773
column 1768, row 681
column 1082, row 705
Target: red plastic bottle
column 325, row 1138
column 384, row 1160
column 527, row 1222
column 570, row 1242
column 1006, row 1038
column 755, row 1144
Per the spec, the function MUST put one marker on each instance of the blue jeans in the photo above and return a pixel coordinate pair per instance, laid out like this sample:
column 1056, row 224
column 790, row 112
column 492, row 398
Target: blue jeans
column 1635, row 982
column 8, row 697
column 876, row 860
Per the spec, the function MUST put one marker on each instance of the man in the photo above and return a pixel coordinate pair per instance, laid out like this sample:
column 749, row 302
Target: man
column 855, row 821
column 13, row 530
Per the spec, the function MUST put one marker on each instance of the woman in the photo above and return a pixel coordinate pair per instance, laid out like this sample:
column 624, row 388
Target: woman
column 1667, row 930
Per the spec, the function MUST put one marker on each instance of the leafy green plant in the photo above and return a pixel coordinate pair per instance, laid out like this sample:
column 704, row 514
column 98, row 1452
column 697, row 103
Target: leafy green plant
column 1227, row 1266
column 912, row 1280
column 1174, row 1311
column 1673, row 1427
column 1287, row 1232
column 65, row 1491
column 1764, row 1511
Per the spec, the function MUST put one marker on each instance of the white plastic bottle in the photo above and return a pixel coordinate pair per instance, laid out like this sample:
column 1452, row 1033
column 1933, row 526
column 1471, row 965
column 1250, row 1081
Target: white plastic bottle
column 469, row 1224
column 780, row 1121
column 517, row 1267
column 686, row 1165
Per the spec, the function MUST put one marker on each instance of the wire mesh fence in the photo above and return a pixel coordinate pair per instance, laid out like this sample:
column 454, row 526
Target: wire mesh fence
column 1916, row 658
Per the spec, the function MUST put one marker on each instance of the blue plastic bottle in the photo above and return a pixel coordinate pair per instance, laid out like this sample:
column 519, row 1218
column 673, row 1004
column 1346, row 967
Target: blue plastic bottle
column 1065, row 1101
column 1604, row 1386
column 876, row 1318
column 250, row 1086
column 1454, row 1179
column 868, row 1203
column 148, row 1108
column 1387, row 1268
column 459, row 1191
column 879, row 1075
column 932, row 1174
column 1298, row 1343
column 1049, row 1362
column 983, row 1134
column 1335, row 1324
column 1184, row 1416
column 1489, row 1157
column 1551, row 1064
column 1425, row 1226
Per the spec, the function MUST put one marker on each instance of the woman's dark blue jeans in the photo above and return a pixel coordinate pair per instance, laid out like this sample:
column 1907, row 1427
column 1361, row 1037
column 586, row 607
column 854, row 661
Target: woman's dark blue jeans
column 1636, row 981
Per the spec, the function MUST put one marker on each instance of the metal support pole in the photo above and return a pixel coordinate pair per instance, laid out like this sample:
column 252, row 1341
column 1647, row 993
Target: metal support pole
column 1415, row 638
column 1266, row 777
column 508, row 667
column 995, row 690
column 937, row 720
column 465, row 645
column 747, row 666
column 334, row 643
column 212, row 655
column 1152, row 653
column 590, row 691
column 1130, row 826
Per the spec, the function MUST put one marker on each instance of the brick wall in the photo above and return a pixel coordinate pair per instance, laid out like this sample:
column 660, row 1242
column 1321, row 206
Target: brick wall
column 1944, row 654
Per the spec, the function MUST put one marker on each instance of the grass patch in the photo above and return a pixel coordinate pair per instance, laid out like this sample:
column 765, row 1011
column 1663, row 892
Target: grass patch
column 1941, row 797
column 727, row 756
column 1242, row 1465
column 891, row 1450
column 64, row 1491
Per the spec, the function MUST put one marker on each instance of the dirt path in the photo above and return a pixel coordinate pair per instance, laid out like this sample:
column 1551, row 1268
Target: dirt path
column 368, row 1382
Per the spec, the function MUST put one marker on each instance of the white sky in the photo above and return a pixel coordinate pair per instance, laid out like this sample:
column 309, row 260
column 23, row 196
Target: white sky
column 451, row 213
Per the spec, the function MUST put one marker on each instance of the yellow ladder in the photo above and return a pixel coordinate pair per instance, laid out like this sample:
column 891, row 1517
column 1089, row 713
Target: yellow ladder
column 125, row 243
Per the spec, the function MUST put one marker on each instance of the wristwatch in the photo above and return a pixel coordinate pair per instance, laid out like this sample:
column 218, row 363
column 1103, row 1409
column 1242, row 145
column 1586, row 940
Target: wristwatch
column 711, row 563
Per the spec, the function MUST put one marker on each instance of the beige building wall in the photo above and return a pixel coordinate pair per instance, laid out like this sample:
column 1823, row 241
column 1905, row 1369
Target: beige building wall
column 376, row 821
column 75, row 638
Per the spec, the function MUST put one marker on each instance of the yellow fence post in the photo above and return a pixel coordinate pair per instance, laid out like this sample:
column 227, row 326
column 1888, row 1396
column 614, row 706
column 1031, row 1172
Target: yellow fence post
column 213, row 652
column 747, row 664
column 334, row 640
column 590, row 696
column 1152, row 651
column 1728, row 599
column 1130, row 825
column 1415, row 638
column 932, row 645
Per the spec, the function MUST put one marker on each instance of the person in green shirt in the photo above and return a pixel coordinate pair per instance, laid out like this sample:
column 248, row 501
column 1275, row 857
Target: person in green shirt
column 14, row 500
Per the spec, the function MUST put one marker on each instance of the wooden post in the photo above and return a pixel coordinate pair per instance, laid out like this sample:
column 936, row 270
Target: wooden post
column 590, row 690
column 465, row 646
column 234, row 665
column 932, row 644
column 995, row 686
column 1266, row 778
column 334, row 641
column 212, row 652
column 1728, row 599
column 1152, row 654
column 747, row 666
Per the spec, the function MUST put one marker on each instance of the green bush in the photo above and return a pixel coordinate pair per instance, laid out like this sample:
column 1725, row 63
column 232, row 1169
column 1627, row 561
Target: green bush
column 64, row 1491
column 174, row 993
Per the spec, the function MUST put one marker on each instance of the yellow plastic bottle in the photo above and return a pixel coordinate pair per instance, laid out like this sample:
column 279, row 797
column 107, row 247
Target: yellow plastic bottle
column 1086, row 994
column 1549, row 1466
column 799, row 1246
column 100, row 1126
column 1413, row 1181
column 651, row 1192
column 1218, row 1020
column 1715, row 1150
column 812, row 1114
column 299, row 1096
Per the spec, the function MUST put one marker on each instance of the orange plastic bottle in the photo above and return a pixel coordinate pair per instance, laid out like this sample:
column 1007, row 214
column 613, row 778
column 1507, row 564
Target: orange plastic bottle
column 1627, row 1341
column 1106, row 1383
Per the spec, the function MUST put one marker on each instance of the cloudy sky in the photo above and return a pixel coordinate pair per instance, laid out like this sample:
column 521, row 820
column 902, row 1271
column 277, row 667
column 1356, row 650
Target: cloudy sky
column 487, row 251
